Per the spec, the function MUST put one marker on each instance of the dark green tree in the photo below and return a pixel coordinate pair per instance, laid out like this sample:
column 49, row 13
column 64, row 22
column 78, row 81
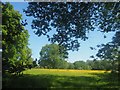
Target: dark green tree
column 63, row 64
column 52, row 56
column 16, row 54
column 97, row 65
column 35, row 63
column 73, row 20
column 111, row 51
column 71, row 66
column 106, row 64
column 80, row 65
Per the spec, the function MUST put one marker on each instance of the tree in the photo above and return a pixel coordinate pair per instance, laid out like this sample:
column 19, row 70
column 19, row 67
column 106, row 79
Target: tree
column 99, row 64
column 80, row 65
column 73, row 20
column 52, row 56
column 63, row 64
column 106, row 64
column 35, row 63
column 110, row 51
column 71, row 66
column 16, row 54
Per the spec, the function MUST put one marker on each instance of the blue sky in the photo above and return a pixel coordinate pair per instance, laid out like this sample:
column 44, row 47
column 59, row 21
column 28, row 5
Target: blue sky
column 84, row 53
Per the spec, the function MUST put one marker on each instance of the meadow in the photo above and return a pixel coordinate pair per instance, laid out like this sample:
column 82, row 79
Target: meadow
column 60, row 78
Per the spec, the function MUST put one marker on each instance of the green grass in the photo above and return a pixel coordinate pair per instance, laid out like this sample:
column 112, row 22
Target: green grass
column 54, row 78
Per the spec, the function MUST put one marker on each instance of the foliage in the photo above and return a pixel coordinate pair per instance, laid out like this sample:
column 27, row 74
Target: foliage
column 53, row 56
column 35, row 63
column 71, row 66
column 62, row 64
column 16, row 54
column 100, row 64
column 80, row 65
column 111, row 51
column 73, row 20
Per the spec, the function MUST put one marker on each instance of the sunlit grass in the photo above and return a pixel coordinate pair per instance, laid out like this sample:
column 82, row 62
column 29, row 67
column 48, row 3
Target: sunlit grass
column 63, row 72
column 60, row 78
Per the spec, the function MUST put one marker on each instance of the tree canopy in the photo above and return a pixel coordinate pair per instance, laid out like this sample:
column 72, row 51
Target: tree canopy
column 73, row 20
column 81, row 65
column 52, row 56
column 111, row 51
column 16, row 54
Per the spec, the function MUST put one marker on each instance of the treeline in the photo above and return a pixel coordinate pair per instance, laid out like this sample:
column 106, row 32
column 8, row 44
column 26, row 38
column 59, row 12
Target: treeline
column 82, row 65
column 53, row 56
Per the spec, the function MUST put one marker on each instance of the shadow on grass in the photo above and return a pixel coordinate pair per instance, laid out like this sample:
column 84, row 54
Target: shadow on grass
column 51, row 81
column 111, row 79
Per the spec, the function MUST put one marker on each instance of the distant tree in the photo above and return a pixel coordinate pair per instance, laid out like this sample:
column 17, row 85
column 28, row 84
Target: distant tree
column 63, row 64
column 35, row 63
column 16, row 54
column 106, row 64
column 90, row 63
column 96, row 65
column 100, row 64
column 71, row 66
column 73, row 20
column 52, row 56
column 80, row 65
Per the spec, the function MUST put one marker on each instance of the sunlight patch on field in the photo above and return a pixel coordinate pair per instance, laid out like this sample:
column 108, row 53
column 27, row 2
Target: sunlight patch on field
column 63, row 72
